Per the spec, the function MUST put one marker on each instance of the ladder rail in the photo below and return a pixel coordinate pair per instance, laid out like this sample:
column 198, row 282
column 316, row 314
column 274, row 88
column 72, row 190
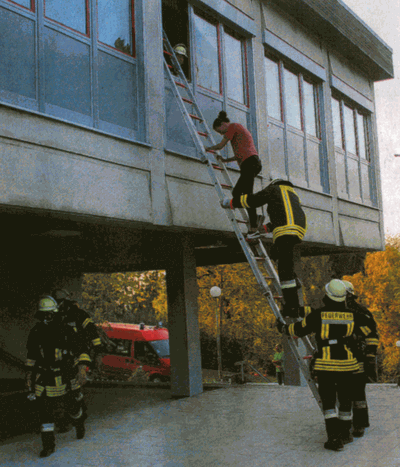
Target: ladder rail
column 247, row 250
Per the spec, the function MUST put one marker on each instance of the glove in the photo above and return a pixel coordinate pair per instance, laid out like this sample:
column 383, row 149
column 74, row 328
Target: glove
column 370, row 369
column 281, row 326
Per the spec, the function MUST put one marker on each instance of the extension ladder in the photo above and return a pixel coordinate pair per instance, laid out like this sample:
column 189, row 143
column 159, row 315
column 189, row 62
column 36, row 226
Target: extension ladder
column 254, row 251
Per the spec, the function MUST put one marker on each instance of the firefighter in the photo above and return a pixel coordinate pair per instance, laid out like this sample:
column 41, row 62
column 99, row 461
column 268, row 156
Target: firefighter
column 72, row 314
column 288, row 226
column 335, row 364
column 56, row 368
column 365, row 349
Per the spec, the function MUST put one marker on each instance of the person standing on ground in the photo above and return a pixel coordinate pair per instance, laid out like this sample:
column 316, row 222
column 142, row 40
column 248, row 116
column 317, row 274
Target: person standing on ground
column 245, row 154
column 278, row 361
column 365, row 349
column 335, row 364
column 56, row 368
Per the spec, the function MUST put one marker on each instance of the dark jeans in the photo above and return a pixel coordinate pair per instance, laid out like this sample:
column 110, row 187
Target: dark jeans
column 279, row 377
column 249, row 169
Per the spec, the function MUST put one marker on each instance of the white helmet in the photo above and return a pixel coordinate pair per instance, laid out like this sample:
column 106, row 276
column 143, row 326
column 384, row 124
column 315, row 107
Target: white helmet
column 336, row 290
column 180, row 49
column 349, row 287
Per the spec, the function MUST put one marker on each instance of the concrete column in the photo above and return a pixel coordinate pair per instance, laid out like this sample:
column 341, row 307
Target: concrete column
column 184, row 334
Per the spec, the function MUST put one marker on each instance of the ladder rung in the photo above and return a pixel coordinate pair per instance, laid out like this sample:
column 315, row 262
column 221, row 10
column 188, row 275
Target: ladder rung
column 241, row 221
column 180, row 84
column 210, row 150
column 278, row 297
column 201, row 133
column 217, row 167
column 307, row 357
column 168, row 53
column 196, row 117
column 170, row 66
column 226, row 186
column 187, row 100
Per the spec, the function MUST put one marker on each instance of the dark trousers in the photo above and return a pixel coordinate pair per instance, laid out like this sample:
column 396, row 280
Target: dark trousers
column 48, row 406
column 279, row 376
column 249, row 169
column 360, row 406
column 282, row 251
column 336, row 386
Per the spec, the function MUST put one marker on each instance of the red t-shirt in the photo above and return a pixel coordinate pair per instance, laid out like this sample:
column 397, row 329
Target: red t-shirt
column 241, row 141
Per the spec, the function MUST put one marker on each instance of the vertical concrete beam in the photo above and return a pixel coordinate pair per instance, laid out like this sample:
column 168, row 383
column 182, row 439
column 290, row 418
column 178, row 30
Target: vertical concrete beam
column 184, row 334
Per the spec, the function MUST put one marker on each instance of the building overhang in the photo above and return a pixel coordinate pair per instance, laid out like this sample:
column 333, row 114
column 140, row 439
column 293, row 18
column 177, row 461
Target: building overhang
column 342, row 30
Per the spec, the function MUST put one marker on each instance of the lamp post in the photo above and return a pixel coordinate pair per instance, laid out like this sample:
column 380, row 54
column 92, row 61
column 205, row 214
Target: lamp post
column 215, row 292
column 398, row 347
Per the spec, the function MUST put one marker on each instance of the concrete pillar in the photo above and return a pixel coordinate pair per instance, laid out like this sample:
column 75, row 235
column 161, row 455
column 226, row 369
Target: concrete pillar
column 184, row 334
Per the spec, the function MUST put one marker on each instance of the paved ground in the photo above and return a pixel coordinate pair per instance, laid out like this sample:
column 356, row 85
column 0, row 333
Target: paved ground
column 251, row 425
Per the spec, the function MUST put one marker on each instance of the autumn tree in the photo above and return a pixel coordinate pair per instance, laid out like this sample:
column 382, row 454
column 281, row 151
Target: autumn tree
column 378, row 288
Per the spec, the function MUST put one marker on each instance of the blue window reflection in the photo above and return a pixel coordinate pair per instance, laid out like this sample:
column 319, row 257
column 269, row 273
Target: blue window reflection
column 115, row 24
column 234, row 66
column 25, row 3
column 71, row 13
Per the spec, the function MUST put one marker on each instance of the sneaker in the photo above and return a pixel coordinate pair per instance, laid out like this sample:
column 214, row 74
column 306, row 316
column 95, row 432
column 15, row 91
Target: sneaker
column 226, row 203
column 260, row 232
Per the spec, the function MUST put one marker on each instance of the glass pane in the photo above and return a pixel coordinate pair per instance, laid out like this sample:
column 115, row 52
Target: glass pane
column 337, row 127
column 292, row 99
column 350, row 130
column 71, row 13
column 207, row 64
column 273, row 89
column 115, row 24
column 310, row 109
column 234, row 66
column 25, row 3
column 362, row 149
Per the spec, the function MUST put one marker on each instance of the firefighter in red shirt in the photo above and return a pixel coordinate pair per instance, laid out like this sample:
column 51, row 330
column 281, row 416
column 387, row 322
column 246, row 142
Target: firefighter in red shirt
column 245, row 154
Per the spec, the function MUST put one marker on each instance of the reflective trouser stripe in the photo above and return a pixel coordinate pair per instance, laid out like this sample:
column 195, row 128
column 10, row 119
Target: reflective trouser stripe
column 331, row 413
column 345, row 415
column 47, row 427
column 79, row 397
column 288, row 284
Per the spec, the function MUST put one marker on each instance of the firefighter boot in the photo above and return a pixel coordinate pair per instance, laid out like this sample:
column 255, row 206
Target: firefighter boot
column 49, row 443
column 334, row 442
column 345, row 431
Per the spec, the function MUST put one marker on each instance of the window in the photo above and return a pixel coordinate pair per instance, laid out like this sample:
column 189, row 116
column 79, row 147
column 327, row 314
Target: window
column 273, row 89
column 354, row 123
column 235, row 82
column 207, row 55
column 121, row 347
column 25, row 3
column 301, row 97
column 96, row 83
column 73, row 14
column 115, row 24
column 292, row 99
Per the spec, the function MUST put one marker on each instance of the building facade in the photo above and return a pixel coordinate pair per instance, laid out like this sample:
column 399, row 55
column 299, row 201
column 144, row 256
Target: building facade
column 99, row 172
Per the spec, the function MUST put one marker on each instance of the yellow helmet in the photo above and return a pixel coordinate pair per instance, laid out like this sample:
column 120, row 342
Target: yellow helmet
column 180, row 49
column 48, row 305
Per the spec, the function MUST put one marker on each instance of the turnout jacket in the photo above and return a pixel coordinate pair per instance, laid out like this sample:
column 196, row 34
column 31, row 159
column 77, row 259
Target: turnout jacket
column 83, row 323
column 364, row 347
column 334, row 326
column 54, row 352
column 284, row 208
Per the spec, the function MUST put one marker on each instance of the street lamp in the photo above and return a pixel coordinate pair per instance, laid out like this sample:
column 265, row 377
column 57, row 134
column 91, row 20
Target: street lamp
column 398, row 346
column 215, row 292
